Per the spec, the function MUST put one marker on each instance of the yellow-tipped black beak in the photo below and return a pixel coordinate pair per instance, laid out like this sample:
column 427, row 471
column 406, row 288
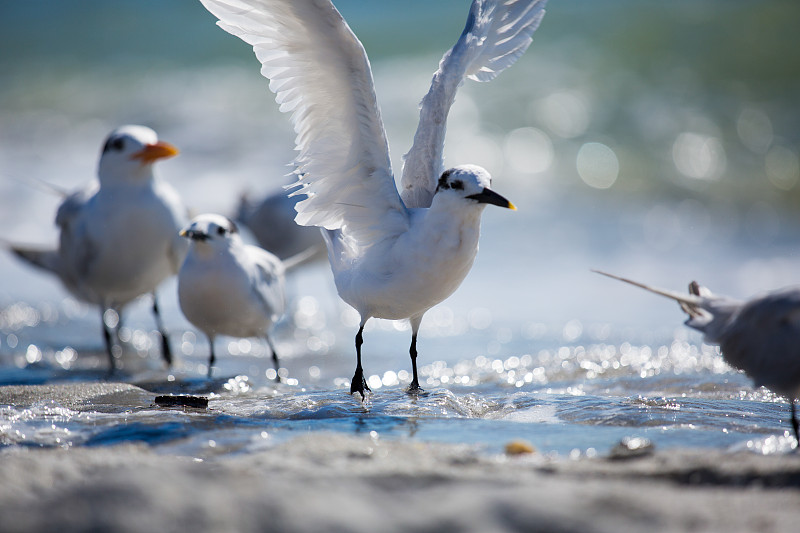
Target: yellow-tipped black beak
column 488, row 196
column 193, row 234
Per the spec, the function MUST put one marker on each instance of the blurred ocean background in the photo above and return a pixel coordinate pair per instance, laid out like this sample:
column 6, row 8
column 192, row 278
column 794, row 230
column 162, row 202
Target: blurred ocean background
column 656, row 140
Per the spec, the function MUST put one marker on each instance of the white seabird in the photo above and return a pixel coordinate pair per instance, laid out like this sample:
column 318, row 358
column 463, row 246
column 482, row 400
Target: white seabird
column 760, row 336
column 119, row 235
column 393, row 255
column 226, row 287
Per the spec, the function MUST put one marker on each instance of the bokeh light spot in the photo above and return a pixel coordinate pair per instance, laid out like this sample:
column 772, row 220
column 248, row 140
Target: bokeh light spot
column 565, row 113
column 698, row 156
column 755, row 130
column 528, row 151
column 783, row 167
column 598, row 165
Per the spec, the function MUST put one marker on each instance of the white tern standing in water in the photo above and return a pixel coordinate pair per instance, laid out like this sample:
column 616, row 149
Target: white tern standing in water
column 393, row 255
column 119, row 235
column 760, row 336
column 226, row 287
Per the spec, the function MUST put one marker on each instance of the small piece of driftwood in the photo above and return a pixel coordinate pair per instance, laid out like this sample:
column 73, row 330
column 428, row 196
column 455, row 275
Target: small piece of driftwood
column 182, row 400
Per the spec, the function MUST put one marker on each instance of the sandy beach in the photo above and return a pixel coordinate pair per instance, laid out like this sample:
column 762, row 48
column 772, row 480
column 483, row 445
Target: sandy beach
column 336, row 482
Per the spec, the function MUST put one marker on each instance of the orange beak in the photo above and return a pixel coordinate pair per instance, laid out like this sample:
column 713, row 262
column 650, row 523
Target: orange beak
column 154, row 152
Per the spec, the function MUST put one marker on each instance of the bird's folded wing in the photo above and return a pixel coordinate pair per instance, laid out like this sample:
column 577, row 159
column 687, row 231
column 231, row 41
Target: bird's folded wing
column 78, row 251
column 497, row 33
column 74, row 205
column 268, row 280
column 320, row 74
column 763, row 340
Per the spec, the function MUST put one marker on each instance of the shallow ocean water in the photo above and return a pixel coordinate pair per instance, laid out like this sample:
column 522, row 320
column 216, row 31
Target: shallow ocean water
column 485, row 385
column 658, row 161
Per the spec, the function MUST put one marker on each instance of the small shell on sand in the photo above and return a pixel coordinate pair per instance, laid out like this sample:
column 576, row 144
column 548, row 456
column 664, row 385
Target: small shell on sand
column 519, row 447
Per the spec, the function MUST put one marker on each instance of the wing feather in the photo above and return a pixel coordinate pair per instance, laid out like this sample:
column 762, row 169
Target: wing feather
column 320, row 73
column 497, row 33
column 78, row 251
column 268, row 281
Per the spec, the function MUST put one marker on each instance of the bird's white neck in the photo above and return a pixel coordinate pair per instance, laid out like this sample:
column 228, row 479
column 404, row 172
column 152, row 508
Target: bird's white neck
column 445, row 235
column 454, row 211
column 137, row 176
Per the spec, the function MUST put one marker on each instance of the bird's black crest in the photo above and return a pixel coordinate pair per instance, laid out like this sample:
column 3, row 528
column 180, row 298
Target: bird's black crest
column 443, row 180
column 114, row 142
column 443, row 183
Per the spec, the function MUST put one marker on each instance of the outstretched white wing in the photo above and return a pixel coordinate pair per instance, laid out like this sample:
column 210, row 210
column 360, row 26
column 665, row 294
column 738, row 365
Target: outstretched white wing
column 497, row 33
column 320, row 73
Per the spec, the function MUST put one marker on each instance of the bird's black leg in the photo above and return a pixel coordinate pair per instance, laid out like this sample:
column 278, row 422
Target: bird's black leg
column 166, row 351
column 274, row 358
column 795, row 424
column 359, row 384
column 107, row 336
column 212, row 358
column 414, row 387
column 117, row 328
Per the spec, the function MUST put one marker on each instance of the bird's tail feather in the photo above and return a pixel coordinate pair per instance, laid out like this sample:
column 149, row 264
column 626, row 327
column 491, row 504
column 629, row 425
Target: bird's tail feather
column 42, row 185
column 708, row 313
column 303, row 257
column 690, row 303
column 46, row 259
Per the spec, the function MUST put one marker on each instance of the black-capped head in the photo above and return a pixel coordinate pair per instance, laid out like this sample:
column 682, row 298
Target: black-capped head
column 472, row 183
column 211, row 228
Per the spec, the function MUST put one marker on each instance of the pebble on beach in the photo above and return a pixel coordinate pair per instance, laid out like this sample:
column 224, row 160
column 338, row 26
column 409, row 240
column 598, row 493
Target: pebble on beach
column 519, row 447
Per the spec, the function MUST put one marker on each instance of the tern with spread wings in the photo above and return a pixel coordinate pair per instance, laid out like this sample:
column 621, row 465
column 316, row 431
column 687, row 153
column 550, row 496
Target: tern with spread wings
column 394, row 254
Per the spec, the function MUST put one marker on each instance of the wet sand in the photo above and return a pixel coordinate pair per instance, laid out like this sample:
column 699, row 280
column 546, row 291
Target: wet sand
column 335, row 482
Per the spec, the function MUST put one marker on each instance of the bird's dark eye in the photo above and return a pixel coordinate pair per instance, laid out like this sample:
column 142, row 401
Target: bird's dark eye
column 443, row 179
column 457, row 185
column 114, row 143
column 221, row 230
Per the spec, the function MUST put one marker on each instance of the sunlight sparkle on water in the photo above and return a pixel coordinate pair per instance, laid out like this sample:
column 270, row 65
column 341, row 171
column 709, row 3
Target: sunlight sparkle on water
column 237, row 384
column 111, row 318
column 772, row 444
column 17, row 316
column 33, row 354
